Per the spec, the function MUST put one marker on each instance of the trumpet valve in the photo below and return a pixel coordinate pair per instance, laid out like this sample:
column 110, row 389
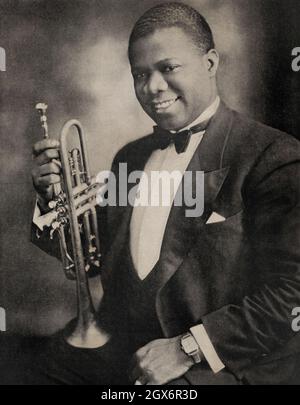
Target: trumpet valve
column 63, row 221
column 61, row 210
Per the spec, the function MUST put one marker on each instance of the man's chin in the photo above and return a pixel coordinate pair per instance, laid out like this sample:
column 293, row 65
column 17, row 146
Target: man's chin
column 169, row 123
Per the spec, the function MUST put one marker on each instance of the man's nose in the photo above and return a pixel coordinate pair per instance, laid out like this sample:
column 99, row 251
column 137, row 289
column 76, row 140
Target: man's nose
column 156, row 83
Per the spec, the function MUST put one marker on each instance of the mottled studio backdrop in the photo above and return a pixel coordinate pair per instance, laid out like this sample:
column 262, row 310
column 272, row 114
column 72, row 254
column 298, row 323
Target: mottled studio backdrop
column 72, row 55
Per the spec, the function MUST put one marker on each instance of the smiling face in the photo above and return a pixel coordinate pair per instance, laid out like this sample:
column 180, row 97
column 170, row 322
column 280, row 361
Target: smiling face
column 173, row 81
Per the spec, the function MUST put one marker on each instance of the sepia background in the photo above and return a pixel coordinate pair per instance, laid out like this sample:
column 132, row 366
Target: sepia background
column 72, row 55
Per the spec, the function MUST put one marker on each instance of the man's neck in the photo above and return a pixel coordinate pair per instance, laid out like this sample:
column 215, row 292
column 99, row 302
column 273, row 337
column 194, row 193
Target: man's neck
column 205, row 115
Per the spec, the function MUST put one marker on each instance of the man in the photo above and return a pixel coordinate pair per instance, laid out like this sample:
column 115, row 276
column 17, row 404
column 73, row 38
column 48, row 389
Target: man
column 193, row 300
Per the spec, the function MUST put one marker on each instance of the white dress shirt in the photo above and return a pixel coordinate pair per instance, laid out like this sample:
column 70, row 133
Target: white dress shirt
column 148, row 223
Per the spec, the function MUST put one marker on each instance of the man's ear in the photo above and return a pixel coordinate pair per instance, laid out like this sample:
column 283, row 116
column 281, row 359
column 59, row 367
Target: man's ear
column 212, row 60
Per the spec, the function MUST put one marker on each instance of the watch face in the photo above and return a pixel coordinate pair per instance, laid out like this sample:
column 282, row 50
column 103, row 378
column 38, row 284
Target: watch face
column 189, row 344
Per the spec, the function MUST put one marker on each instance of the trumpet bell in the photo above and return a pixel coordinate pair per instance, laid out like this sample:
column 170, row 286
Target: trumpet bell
column 89, row 336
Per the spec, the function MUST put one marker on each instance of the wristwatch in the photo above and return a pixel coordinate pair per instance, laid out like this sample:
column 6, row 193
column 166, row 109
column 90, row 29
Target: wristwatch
column 191, row 347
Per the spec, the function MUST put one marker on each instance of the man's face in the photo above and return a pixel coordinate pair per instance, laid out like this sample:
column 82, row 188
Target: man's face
column 172, row 80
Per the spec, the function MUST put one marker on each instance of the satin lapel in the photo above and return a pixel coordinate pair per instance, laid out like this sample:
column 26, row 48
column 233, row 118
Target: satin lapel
column 178, row 237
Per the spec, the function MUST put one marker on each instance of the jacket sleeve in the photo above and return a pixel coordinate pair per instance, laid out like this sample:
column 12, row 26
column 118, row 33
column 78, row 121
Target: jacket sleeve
column 262, row 322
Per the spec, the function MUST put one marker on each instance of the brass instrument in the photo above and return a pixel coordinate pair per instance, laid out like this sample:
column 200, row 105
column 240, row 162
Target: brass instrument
column 73, row 212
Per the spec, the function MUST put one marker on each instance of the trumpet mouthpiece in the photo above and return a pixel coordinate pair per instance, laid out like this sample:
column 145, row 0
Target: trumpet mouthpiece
column 41, row 106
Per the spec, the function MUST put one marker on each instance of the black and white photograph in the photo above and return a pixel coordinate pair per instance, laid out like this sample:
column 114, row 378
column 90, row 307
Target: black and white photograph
column 150, row 188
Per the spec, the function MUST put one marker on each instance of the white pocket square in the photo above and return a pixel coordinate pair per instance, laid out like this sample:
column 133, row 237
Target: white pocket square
column 215, row 218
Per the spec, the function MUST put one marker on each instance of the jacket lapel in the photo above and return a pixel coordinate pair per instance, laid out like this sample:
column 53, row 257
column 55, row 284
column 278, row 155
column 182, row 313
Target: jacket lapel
column 178, row 237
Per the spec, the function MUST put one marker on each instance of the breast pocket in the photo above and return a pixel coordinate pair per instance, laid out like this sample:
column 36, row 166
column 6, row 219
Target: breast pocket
column 233, row 223
column 222, row 237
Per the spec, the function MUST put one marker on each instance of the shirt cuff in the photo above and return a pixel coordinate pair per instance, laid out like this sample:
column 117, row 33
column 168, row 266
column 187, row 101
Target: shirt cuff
column 37, row 215
column 207, row 348
column 41, row 220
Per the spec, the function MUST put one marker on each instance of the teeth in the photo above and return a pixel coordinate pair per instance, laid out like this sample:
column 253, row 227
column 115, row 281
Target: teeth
column 164, row 104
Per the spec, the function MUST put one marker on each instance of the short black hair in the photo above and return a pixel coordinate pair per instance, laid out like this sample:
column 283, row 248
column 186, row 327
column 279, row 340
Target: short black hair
column 174, row 15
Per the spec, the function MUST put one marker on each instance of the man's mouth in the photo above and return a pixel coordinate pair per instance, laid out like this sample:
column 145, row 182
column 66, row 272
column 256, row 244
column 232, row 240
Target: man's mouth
column 162, row 106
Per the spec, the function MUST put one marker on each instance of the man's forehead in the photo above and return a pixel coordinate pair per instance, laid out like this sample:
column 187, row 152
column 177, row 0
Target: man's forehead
column 163, row 44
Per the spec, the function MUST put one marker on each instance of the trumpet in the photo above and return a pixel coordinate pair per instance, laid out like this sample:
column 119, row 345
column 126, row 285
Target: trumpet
column 73, row 214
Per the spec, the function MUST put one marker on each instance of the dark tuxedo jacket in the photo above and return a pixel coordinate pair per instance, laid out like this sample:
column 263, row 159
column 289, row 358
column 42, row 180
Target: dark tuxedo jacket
column 240, row 277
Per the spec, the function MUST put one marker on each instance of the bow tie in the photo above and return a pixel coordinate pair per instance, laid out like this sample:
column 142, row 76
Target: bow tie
column 181, row 139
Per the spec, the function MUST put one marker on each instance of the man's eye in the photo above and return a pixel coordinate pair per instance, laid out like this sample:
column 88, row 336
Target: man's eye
column 171, row 68
column 139, row 76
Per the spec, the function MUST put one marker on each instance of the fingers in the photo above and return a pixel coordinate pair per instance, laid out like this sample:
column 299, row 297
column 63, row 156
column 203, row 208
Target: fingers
column 45, row 175
column 44, row 145
column 46, row 151
column 135, row 373
column 158, row 362
column 44, row 182
column 135, row 370
column 140, row 373
column 47, row 156
column 49, row 168
column 142, row 380
column 138, row 383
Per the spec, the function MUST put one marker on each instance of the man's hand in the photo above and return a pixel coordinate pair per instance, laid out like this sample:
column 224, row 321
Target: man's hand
column 160, row 362
column 47, row 168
